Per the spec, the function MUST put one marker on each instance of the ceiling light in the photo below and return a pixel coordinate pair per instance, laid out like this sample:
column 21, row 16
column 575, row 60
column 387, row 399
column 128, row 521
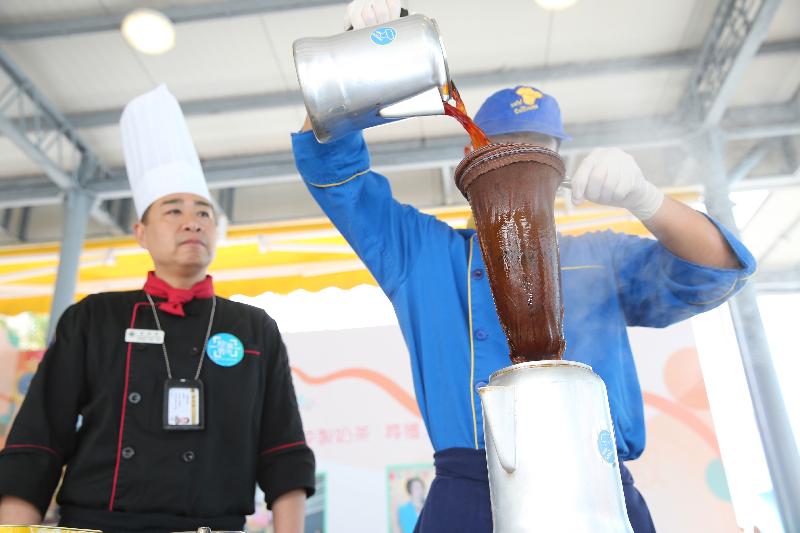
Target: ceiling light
column 148, row 31
column 555, row 5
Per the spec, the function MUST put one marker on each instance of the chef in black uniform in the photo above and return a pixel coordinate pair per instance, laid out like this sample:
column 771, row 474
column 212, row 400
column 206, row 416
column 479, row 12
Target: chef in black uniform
column 168, row 404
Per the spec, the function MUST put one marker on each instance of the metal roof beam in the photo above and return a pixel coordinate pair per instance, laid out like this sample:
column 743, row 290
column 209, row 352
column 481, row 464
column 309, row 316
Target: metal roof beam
column 210, row 106
column 177, row 14
column 749, row 122
column 737, row 32
column 52, row 195
column 53, row 144
column 23, row 224
column 244, row 171
column 226, row 199
column 13, row 196
column 778, row 281
column 5, row 223
column 748, row 162
column 232, row 104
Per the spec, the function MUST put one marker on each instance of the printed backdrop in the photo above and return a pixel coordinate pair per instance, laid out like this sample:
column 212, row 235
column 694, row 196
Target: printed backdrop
column 357, row 402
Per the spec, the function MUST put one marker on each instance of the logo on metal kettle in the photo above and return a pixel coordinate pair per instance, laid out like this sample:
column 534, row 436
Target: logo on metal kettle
column 605, row 445
column 383, row 35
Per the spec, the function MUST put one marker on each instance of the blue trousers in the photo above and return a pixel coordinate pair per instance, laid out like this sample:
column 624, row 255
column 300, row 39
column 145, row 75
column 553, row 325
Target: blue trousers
column 638, row 513
column 458, row 500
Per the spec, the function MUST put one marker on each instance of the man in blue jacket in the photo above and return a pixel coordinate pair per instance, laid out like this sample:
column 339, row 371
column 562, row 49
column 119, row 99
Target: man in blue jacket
column 436, row 280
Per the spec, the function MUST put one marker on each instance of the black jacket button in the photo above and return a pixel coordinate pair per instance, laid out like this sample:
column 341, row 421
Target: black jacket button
column 188, row 456
column 128, row 452
column 134, row 397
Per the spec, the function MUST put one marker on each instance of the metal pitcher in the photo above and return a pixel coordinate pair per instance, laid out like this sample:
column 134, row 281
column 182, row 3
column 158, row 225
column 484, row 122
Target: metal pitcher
column 358, row 79
column 551, row 452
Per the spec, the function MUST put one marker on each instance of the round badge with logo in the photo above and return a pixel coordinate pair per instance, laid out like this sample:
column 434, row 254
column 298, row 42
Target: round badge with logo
column 385, row 35
column 605, row 445
column 225, row 349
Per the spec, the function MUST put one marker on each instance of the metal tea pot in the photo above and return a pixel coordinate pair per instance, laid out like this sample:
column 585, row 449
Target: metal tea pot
column 363, row 78
column 550, row 450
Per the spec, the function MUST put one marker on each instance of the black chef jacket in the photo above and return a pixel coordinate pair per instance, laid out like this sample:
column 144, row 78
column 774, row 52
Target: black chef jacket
column 123, row 470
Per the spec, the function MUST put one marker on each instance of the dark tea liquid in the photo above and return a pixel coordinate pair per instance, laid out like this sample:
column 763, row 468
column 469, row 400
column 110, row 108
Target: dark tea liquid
column 459, row 112
column 511, row 190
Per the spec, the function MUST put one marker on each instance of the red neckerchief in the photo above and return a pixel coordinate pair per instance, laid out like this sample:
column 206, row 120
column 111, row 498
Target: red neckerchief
column 156, row 286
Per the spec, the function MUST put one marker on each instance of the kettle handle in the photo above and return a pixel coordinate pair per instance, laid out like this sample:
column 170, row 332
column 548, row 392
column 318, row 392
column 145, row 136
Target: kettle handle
column 403, row 13
column 500, row 421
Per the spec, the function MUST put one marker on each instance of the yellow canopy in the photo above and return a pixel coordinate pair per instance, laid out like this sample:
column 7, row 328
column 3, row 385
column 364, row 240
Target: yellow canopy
column 276, row 257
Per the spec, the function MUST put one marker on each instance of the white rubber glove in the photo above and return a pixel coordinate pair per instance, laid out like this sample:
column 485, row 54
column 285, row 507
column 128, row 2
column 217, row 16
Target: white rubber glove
column 609, row 176
column 362, row 13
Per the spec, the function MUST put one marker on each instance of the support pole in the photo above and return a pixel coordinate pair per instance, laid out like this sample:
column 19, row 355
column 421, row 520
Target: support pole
column 76, row 216
column 777, row 439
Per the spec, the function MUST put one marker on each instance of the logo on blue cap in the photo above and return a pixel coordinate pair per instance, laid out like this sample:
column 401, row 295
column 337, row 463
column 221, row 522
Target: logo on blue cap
column 383, row 35
column 527, row 101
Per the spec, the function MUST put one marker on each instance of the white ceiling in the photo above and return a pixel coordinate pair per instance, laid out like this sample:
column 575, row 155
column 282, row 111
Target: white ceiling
column 251, row 55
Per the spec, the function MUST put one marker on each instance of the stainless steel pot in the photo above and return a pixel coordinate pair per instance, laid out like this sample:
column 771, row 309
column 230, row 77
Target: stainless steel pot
column 551, row 451
column 358, row 79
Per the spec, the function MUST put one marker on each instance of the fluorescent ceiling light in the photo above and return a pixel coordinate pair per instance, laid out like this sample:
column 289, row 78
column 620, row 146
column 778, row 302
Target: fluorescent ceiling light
column 555, row 5
column 148, row 31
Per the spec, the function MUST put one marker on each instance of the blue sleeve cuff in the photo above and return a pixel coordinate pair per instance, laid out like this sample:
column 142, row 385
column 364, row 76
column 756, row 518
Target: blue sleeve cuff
column 703, row 285
column 329, row 164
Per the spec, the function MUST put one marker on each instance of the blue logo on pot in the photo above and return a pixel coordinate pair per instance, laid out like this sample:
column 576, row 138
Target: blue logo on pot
column 605, row 445
column 383, row 35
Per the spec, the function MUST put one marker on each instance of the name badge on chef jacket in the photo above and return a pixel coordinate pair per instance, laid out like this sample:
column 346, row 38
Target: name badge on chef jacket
column 144, row 336
column 183, row 404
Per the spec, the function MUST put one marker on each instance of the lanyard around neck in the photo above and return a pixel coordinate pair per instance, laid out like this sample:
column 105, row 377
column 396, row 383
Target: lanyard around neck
column 164, row 344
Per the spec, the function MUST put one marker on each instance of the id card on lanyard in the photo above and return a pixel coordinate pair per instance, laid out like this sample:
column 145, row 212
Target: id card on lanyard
column 183, row 405
column 184, row 401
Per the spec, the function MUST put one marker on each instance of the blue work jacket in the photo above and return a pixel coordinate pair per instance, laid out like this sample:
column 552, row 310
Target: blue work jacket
column 436, row 280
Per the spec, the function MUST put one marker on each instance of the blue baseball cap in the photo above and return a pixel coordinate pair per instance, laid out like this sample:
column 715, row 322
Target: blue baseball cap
column 521, row 109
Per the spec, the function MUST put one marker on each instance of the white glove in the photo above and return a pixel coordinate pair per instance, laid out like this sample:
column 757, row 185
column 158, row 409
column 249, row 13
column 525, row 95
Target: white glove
column 609, row 176
column 362, row 13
